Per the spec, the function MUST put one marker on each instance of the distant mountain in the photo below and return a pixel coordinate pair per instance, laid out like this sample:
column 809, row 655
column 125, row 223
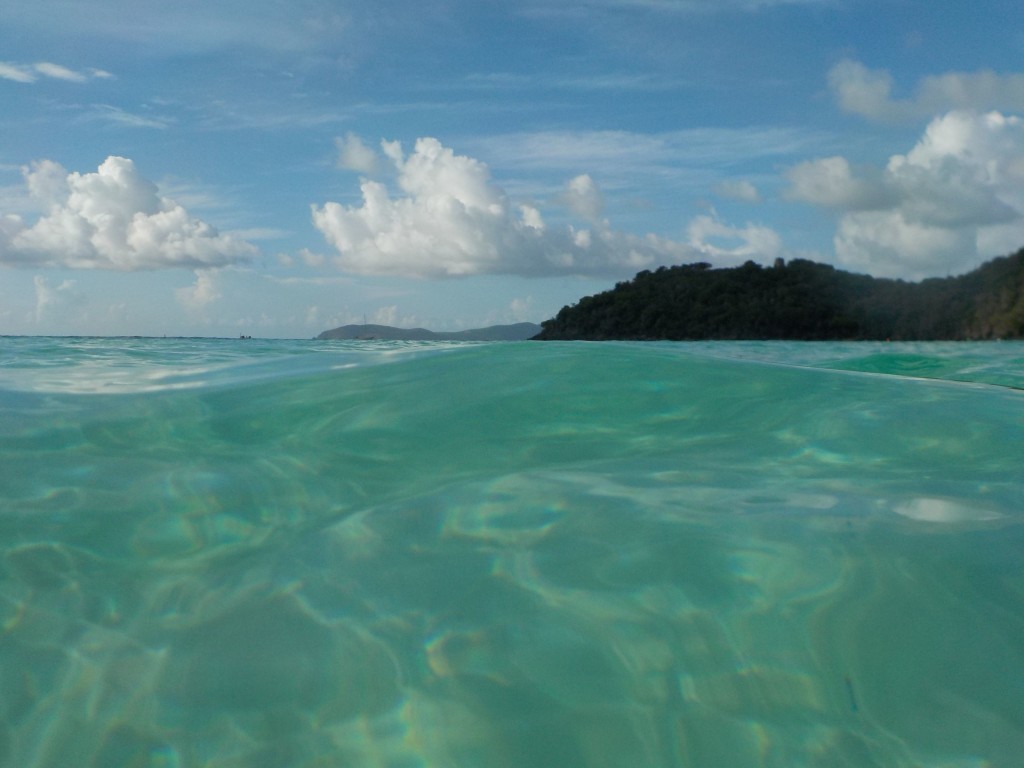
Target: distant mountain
column 799, row 300
column 516, row 332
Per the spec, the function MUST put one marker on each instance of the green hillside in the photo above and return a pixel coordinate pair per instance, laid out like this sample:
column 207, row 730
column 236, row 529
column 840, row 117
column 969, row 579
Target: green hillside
column 799, row 300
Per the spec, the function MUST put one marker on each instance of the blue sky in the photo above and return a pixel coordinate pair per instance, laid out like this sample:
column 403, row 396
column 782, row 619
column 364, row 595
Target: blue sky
column 278, row 168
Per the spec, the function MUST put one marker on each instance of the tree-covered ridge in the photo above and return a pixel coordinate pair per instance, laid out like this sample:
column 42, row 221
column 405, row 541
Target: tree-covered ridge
column 799, row 300
column 514, row 332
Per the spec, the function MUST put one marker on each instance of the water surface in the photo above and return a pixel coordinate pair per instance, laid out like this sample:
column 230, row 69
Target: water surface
column 216, row 553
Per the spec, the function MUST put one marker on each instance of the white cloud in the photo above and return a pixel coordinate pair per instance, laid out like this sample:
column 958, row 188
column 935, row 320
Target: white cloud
column 201, row 293
column 531, row 217
column 10, row 225
column 59, row 72
column 115, row 115
column 831, row 182
column 628, row 152
column 715, row 239
column 956, row 197
column 311, row 259
column 869, row 92
column 354, row 155
column 452, row 219
column 29, row 73
column 584, row 198
column 19, row 73
column 53, row 302
column 861, row 90
column 259, row 233
column 112, row 219
column 741, row 190
column 886, row 244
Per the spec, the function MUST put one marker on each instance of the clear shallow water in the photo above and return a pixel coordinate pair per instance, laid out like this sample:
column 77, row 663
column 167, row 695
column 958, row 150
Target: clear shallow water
column 284, row 554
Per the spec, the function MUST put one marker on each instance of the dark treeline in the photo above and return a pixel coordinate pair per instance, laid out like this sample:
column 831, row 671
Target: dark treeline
column 799, row 300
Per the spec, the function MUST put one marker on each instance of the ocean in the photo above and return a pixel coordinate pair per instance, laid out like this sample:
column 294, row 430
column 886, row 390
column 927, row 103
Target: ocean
column 305, row 554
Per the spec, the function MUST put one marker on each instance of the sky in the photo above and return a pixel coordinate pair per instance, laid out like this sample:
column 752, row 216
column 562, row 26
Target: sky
column 276, row 168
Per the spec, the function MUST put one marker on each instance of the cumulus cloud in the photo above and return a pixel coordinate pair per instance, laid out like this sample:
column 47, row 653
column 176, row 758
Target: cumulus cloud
column 111, row 219
column 885, row 243
column 201, row 293
column 717, row 240
column 450, row 219
column 956, row 197
column 584, row 197
column 29, row 73
column 831, row 182
column 741, row 190
column 869, row 92
column 354, row 155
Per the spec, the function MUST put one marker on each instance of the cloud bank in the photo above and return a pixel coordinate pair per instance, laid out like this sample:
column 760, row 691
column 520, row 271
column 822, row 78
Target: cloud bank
column 450, row 219
column 626, row 152
column 956, row 197
column 869, row 93
column 112, row 219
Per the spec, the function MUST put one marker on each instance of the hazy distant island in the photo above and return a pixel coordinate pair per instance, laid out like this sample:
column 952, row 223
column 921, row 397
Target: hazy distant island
column 800, row 300
column 514, row 332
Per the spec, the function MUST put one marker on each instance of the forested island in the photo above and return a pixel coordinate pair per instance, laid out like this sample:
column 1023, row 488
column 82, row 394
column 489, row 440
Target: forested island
column 514, row 332
column 801, row 300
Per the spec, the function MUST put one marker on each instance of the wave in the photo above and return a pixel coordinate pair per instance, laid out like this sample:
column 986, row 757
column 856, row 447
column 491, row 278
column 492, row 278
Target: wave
column 88, row 365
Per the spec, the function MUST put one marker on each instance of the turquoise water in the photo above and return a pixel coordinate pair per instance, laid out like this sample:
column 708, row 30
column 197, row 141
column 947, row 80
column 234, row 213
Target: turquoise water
column 216, row 553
